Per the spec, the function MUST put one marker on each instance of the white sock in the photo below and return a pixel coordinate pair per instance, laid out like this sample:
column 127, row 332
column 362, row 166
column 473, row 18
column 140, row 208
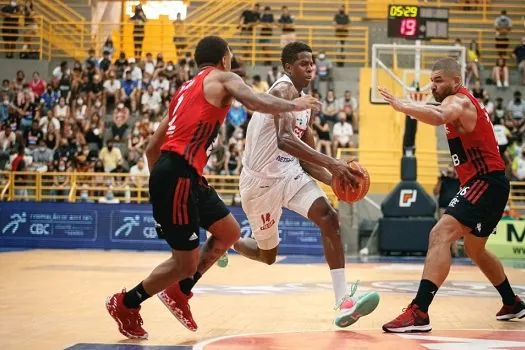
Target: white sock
column 338, row 284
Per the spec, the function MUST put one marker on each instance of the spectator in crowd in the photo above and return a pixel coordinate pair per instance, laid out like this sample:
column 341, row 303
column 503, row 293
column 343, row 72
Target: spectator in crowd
column 267, row 23
column 286, row 21
column 477, row 91
column 348, row 104
column 473, row 57
column 62, row 69
column 232, row 163
column 48, row 119
column 330, row 107
column 129, row 91
column 138, row 19
column 105, row 63
column 516, row 107
column 149, row 64
column 518, row 167
column 151, row 102
column 249, row 18
column 322, row 129
column 273, row 75
column 324, row 72
column 120, row 65
column 519, row 55
column 503, row 26
column 110, row 156
column 342, row 133
column 500, row 72
column 7, row 144
column 120, row 121
column 42, row 155
column 138, row 173
column 37, row 85
column 259, row 85
column 112, row 92
column 342, row 26
column 109, row 48
column 11, row 13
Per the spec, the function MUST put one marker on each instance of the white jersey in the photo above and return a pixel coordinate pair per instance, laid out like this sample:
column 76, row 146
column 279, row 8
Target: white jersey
column 261, row 154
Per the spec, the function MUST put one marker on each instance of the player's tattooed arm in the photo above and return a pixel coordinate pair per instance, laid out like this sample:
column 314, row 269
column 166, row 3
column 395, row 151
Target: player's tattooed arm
column 153, row 149
column 316, row 171
column 264, row 102
column 289, row 142
column 449, row 111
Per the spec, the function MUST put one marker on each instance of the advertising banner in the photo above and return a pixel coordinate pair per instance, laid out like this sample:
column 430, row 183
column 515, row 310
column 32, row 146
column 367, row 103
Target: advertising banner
column 122, row 226
column 509, row 240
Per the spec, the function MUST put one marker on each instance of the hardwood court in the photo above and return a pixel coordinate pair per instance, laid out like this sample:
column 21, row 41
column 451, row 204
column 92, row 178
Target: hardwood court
column 54, row 299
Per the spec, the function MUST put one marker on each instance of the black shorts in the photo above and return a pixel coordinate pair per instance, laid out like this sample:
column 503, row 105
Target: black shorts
column 182, row 201
column 480, row 203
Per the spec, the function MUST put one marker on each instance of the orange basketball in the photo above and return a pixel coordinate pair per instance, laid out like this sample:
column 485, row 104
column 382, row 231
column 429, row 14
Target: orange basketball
column 348, row 194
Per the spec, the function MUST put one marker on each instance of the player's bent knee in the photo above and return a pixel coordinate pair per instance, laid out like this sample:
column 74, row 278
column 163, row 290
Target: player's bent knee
column 329, row 223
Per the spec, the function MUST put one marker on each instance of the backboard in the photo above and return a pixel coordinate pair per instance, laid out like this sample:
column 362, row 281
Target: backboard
column 405, row 69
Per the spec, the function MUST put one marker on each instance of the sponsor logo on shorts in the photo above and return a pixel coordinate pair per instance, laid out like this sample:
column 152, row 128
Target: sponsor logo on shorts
column 284, row 159
column 267, row 220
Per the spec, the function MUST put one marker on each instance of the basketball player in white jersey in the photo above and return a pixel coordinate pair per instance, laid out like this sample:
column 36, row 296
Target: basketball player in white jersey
column 278, row 165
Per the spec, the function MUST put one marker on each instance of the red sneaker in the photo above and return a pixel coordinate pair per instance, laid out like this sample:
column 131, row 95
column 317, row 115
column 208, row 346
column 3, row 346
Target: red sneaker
column 177, row 302
column 508, row 312
column 411, row 320
column 128, row 320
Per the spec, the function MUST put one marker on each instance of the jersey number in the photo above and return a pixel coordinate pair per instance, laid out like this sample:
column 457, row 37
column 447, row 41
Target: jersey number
column 171, row 124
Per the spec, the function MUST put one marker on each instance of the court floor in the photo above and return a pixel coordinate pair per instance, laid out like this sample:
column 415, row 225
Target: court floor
column 54, row 299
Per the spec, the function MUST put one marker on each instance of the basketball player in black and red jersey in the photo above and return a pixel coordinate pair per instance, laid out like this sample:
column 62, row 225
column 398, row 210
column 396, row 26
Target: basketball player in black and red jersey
column 181, row 199
column 475, row 210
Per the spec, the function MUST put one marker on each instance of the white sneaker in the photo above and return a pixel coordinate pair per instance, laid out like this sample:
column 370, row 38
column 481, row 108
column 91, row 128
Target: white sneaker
column 506, row 84
column 498, row 83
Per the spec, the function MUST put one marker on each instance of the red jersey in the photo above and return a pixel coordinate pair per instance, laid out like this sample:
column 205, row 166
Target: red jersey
column 194, row 123
column 477, row 152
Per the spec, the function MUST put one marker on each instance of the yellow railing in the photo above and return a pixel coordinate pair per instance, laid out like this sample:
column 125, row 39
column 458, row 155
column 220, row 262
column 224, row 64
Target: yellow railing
column 72, row 187
column 27, row 40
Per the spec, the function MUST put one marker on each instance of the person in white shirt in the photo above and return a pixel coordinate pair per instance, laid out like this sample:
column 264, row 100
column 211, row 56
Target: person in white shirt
column 162, row 85
column 112, row 89
column 342, row 133
column 139, row 173
column 151, row 102
column 49, row 118
column 136, row 72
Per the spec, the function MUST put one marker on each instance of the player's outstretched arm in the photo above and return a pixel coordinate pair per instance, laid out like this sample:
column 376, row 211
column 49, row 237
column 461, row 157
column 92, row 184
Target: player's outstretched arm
column 263, row 102
column 155, row 141
column 449, row 110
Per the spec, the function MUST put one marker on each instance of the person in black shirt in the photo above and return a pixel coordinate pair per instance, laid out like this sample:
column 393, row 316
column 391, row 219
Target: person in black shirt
column 342, row 22
column 10, row 27
column 267, row 22
column 105, row 62
column 287, row 27
column 248, row 20
column 139, row 18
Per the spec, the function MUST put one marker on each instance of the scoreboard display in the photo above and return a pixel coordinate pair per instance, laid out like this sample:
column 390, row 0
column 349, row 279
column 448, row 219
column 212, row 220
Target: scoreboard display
column 417, row 22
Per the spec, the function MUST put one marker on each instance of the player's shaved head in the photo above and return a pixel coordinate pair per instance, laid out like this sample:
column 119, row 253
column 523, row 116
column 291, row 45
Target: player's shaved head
column 449, row 66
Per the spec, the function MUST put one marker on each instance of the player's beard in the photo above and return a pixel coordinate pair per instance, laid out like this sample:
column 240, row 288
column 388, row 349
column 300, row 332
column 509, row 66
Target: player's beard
column 440, row 97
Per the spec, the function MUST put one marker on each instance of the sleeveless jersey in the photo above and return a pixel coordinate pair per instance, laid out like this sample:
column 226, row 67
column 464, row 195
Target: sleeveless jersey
column 261, row 154
column 194, row 123
column 477, row 152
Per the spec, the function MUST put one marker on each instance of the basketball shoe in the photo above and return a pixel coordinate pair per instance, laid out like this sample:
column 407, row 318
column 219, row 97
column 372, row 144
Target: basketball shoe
column 223, row 260
column 352, row 308
column 177, row 302
column 508, row 312
column 128, row 320
column 411, row 320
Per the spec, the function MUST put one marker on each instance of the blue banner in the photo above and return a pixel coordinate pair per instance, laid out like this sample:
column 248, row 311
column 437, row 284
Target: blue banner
column 122, row 226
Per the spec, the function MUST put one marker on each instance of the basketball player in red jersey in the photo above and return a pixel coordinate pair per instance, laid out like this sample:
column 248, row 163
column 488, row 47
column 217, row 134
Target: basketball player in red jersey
column 475, row 210
column 181, row 199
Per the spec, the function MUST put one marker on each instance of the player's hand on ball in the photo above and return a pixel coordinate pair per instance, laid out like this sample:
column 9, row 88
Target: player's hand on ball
column 307, row 102
column 344, row 173
column 352, row 193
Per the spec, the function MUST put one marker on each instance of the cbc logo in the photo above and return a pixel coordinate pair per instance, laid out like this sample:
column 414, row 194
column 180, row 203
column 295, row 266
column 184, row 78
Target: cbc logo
column 39, row 229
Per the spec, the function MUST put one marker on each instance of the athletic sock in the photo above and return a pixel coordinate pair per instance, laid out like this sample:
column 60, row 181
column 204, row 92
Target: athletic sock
column 338, row 284
column 425, row 294
column 506, row 292
column 186, row 285
column 135, row 297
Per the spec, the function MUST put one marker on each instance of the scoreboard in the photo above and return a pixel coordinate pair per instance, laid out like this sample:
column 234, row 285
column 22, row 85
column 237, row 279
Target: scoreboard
column 414, row 22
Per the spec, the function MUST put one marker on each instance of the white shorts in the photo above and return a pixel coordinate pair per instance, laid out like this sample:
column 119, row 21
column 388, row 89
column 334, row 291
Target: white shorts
column 262, row 200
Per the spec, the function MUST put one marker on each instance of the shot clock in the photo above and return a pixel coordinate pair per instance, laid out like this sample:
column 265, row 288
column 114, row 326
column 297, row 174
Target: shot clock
column 417, row 22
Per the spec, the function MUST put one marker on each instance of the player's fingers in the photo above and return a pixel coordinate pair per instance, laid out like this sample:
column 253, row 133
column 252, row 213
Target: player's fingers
column 356, row 172
column 350, row 179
